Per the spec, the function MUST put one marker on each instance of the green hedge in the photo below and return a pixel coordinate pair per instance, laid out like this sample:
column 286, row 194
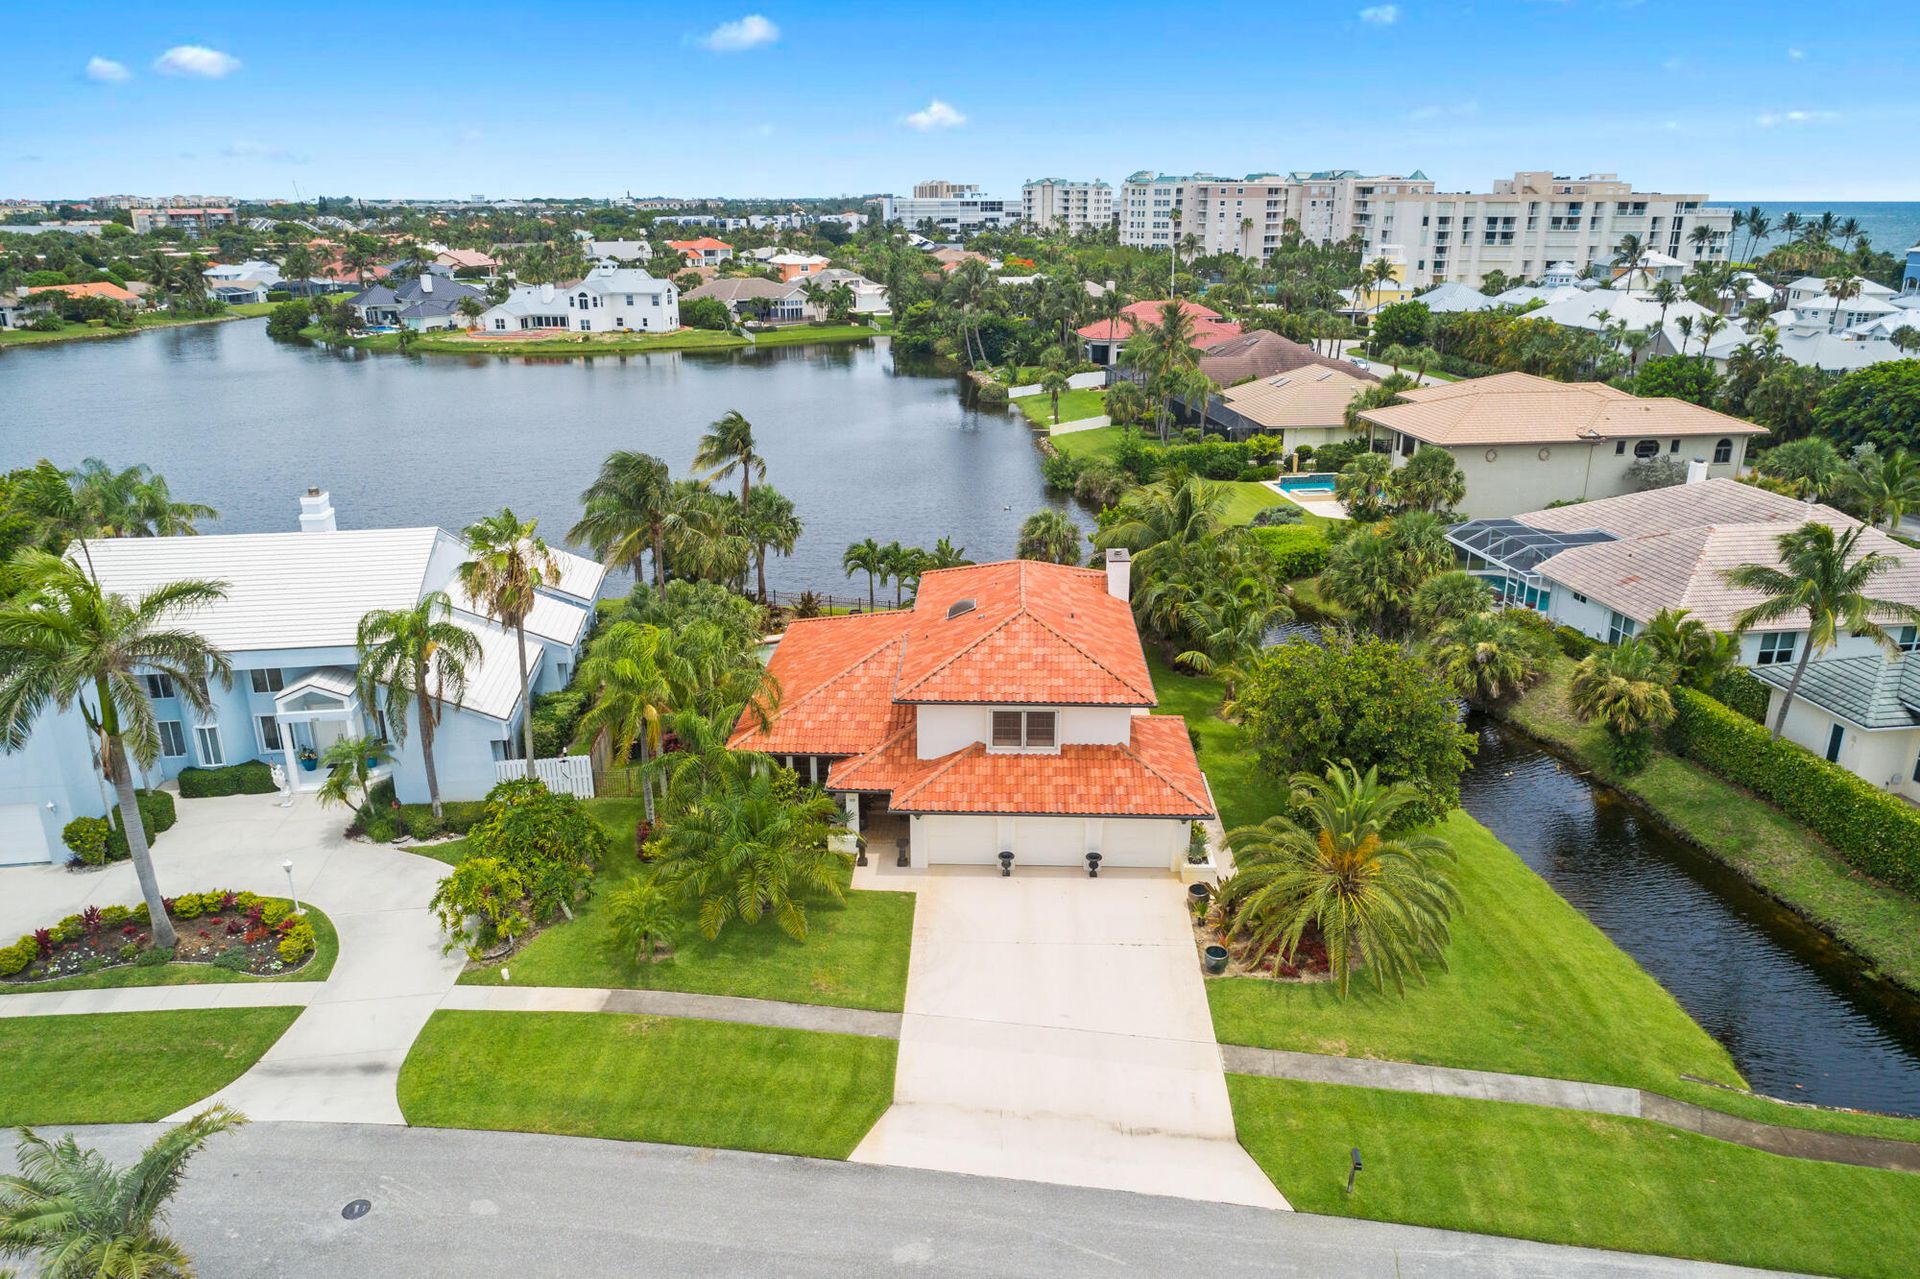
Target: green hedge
column 1575, row 644
column 1296, row 550
column 1744, row 692
column 555, row 717
column 250, row 778
column 1875, row 831
column 384, row 821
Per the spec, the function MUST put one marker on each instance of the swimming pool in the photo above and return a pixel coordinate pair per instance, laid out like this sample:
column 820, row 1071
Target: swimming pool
column 1307, row 484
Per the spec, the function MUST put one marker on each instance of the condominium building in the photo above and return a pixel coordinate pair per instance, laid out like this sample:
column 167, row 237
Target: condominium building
column 195, row 222
column 1533, row 220
column 1062, row 204
column 1248, row 216
column 949, row 206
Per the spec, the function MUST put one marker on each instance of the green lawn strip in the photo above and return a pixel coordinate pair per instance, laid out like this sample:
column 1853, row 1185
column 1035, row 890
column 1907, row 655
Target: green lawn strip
column 456, row 343
column 326, row 950
column 1561, row 1177
column 1246, row 499
column 1074, row 405
column 799, row 335
column 1099, row 443
column 450, row 851
column 854, row 956
column 634, row 1078
column 1778, row 854
column 124, row 1068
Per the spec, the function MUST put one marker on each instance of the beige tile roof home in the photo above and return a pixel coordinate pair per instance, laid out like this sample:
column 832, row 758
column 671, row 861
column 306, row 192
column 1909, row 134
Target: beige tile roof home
column 1519, row 408
column 1308, row 396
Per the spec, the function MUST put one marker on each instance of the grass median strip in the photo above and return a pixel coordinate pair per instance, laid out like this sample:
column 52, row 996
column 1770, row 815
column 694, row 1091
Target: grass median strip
column 123, row 1068
column 639, row 1078
column 1559, row 1177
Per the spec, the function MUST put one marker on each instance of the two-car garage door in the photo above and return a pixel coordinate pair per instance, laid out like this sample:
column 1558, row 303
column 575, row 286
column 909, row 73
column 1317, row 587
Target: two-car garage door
column 946, row 840
column 22, row 837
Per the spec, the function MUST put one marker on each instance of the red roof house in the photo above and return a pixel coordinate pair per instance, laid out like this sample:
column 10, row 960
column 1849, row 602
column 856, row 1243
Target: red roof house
column 1006, row 711
column 1104, row 338
column 705, row 251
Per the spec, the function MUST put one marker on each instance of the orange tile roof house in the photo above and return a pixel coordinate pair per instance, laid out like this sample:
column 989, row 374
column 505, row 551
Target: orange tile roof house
column 1006, row 711
column 99, row 289
column 1104, row 338
column 705, row 251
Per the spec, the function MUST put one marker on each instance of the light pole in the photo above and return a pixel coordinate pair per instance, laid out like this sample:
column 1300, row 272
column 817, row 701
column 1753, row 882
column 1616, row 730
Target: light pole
column 287, row 866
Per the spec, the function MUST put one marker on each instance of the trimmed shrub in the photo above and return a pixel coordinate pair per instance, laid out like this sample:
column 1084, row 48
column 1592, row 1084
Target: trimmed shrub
column 1876, row 832
column 15, row 958
column 1743, row 691
column 250, row 778
column 297, row 942
column 1295, row 550
column 555, row 717
column 1575, row 644
column 86, row 839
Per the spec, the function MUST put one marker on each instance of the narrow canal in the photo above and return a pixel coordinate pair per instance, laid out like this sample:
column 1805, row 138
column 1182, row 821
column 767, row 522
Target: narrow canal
column 1802, row 1017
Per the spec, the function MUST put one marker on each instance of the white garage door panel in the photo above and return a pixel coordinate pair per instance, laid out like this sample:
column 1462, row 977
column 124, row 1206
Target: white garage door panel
column 22, row 838
column 1049, row 841
column 1140, row 842
column 948, row 841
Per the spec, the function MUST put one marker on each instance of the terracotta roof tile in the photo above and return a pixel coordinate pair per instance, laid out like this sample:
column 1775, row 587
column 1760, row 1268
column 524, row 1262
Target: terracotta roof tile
column 836, row 679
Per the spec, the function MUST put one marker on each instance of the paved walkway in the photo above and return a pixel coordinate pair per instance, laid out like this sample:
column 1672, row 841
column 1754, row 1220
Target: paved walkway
column 1056, row 1030
column 673, row 1003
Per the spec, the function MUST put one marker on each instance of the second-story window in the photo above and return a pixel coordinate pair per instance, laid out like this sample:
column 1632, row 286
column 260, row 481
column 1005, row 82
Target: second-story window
column 1018, row 730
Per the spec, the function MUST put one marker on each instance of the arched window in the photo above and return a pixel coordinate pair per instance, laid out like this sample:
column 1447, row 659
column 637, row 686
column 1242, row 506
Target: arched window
column 583, row 301
column 1646, row 448
column 1723, row 451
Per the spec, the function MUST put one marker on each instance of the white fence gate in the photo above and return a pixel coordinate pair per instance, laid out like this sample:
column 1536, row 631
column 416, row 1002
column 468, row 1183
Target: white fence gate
column 566, row 775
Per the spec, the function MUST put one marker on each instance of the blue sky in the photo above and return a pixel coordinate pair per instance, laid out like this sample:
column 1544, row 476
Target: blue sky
column 1761, row 100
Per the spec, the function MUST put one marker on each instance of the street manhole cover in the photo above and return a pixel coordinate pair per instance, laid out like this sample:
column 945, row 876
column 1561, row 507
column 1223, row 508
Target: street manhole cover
column 357, row 1209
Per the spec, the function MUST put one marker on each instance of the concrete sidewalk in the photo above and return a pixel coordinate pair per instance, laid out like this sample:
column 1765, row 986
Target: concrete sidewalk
column 673, row 1003
column 151, row 999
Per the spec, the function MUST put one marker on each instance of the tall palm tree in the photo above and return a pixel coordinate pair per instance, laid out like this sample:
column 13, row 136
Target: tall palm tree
column 1054, row 381
column 899, row 565
column 1885, row 485
column 1337, row 870
column 417, row 657
column 629, row 511
column 1625, row 688
column 865, row 556
column 1841, row 289
column 769, row 522
column 66, row 642
column 728, row 446
column 1822, row 578
column 1049, row 536
column 78, row 1215
column 749, row 851
column 1632, row 250
column 625, row 674
column 1758, row 226
column 510, row 563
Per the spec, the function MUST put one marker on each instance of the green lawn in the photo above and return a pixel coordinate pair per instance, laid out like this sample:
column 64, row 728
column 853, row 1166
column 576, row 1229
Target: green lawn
column 141, row 320
column 690, row 1083
column 326, row 949
column 1561, row 1177
column 1074, row 405
column 1246, row 499
column 123, row 1068
column 1747, row 833
column 801, row 334
column 1101, row 442
column 855, row 955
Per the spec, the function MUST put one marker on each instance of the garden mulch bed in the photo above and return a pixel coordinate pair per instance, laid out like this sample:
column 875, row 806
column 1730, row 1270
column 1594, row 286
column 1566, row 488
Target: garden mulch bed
column 231, row 938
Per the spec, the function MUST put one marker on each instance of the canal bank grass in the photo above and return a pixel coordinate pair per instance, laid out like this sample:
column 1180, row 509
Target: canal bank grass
column 639, row 1078
column 583, row 344
column 1561, row 1177
column 1776, row 853
column 1531, row 986
column 142, row 321
column 1074, row 405
column 126, row 1068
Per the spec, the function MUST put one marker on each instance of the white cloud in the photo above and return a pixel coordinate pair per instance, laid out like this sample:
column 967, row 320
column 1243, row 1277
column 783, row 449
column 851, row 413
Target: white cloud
column 1768, row 119
column 1674, row 64
column 1796, row 55
column 1437, row 111
column 244, row 150
column 1380, row 15
column 107, row 71
column 196, row 60
column 937, row 115
column 750, row 32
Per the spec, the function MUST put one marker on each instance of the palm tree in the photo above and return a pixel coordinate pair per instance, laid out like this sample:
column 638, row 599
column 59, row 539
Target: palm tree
column 628, row 510
column 1053, row 380
column 1155, row 520
column 1049, row 536
column 1841, row 289
column 1362, row 483
column 1484, row 656
column 1126, row 402
column 78, row 1215
column 641, row 917
column 625, row 674
column 1625, row 688
column 350, row 762
column 1810, row 467
column 896, row 566
column 769, row 522
column 1666, row 293
column 1885, row 486
column 510, row 564
column 946, row 555
column 1758, row 225
column 750, row 851
column 1698, row 654
column 1631, row 251
column 66, row 642
column 1822, row 578
column 728, row 446
column 418, row 657
column 1335, row 869
column 865, row 556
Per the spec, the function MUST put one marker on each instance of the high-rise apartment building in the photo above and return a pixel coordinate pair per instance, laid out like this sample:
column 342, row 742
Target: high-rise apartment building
column 195, row 222
column 1058, row 203
column 949, row 206
column 1248, row 216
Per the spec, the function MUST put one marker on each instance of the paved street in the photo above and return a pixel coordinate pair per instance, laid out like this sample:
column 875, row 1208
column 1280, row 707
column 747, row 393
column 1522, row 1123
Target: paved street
column 267, row 1200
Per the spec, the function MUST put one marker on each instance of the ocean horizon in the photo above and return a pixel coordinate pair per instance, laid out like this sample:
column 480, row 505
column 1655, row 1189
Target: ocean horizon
column 1893, row 226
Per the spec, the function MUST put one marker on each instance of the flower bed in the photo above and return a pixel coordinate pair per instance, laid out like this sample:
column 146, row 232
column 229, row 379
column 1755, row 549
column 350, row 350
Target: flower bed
column 238, row 931
column 1308, row 962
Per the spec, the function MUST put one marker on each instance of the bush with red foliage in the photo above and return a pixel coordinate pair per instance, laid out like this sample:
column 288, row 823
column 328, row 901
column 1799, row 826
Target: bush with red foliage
column 43, row 941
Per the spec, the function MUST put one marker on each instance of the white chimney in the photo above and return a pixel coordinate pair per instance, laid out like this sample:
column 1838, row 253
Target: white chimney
column 316, row 512
column 1119, row 573
column 426, row 281
column 1697, row 471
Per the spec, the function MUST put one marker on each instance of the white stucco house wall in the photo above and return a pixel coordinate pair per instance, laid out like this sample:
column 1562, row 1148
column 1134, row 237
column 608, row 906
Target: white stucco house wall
column 611, row 299
column 288, row 627
column 1860, row 712
column 1007, row 711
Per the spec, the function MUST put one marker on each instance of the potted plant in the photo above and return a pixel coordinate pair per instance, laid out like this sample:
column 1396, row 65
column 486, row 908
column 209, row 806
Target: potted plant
column 309, row 758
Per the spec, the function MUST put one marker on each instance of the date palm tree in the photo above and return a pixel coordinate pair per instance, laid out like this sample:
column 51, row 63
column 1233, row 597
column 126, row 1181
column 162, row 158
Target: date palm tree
column 1048, row 536
column 510, row 563
column 78, row 1215
column 728, row 446
column 66, row 642
column 1625, row 688
column 865, row 556
column 625, row 674
column 629, row 511
column 417, row 658
column 1823, row 578
column 1371, row 896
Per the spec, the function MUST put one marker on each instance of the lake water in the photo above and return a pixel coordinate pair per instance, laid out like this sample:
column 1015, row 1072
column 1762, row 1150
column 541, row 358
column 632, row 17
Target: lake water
column 245, row 424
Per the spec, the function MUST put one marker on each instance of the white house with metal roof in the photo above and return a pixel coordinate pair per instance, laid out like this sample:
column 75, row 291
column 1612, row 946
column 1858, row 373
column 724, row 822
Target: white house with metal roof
column 288, row 626
column 1862, row 713
column 611, row 299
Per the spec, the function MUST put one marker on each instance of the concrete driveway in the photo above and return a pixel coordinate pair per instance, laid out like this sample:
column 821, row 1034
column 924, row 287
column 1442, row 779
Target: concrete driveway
column 1056, row 1030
